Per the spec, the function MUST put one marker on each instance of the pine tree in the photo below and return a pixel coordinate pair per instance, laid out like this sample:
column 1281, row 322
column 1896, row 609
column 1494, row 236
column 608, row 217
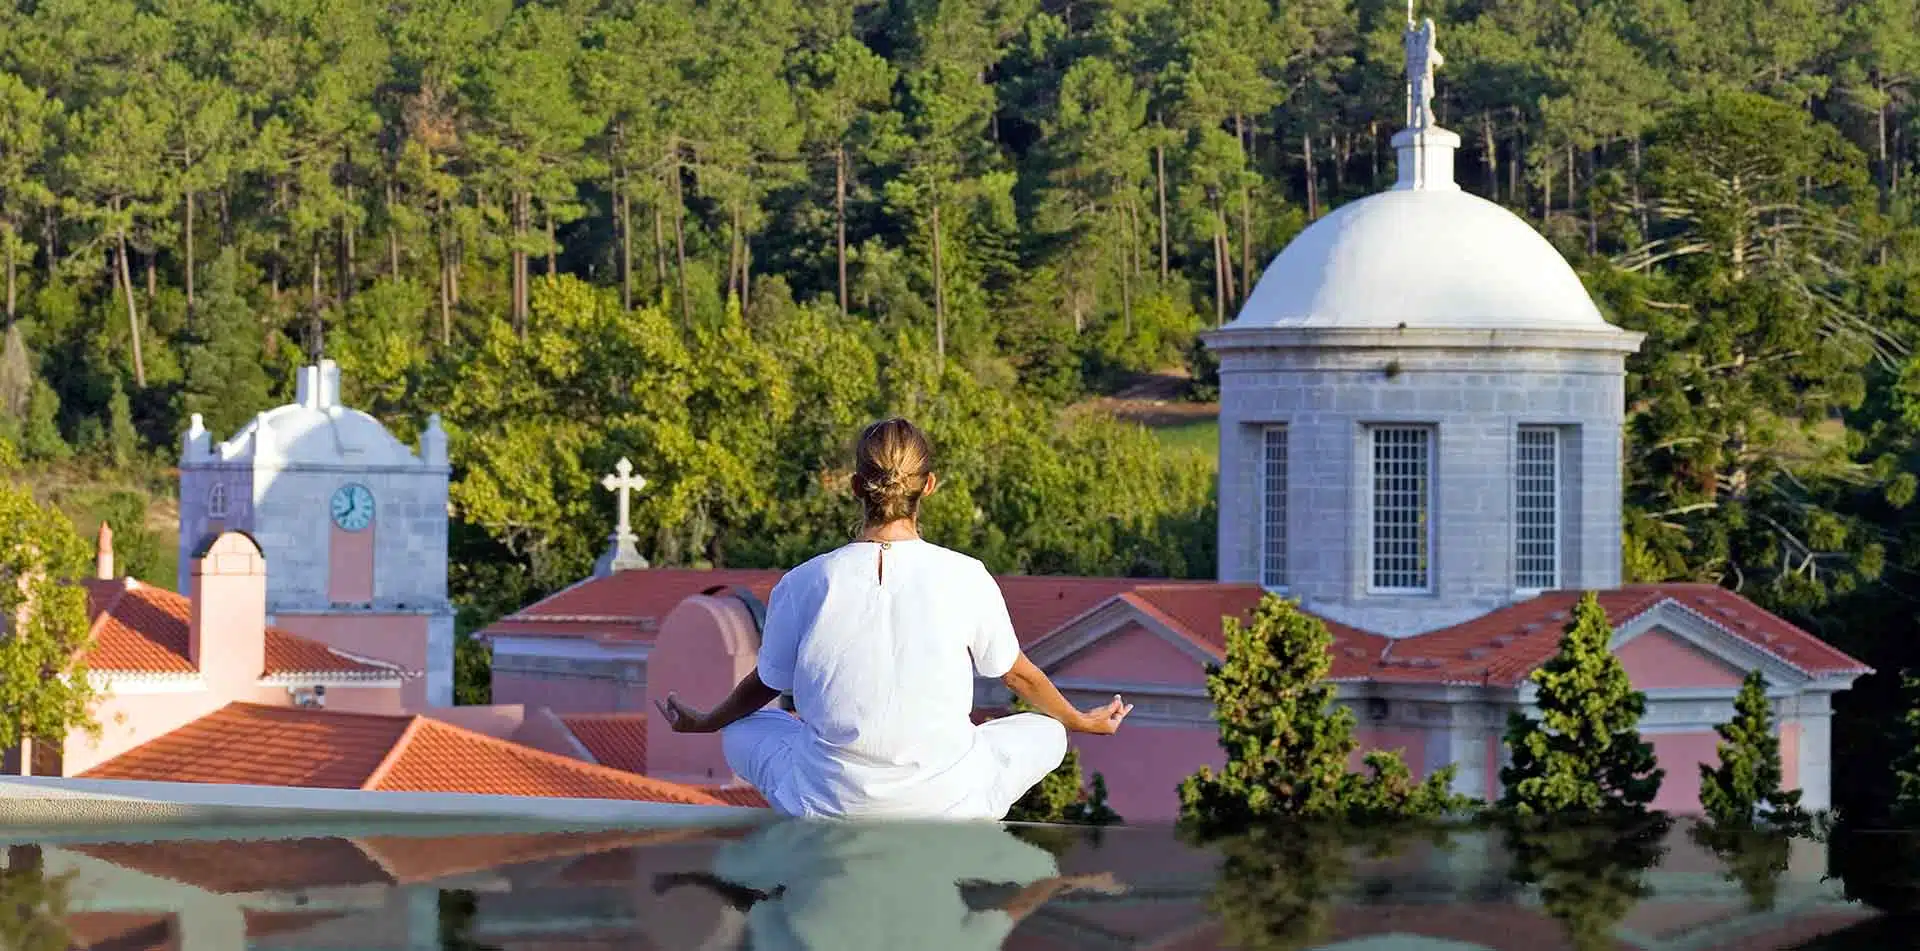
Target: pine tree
column 1749, row 774
column 1906, row 766
column 225, row 380
column 123, row 442
column 1585, row 754
column 40, row 439
column 1286, row 741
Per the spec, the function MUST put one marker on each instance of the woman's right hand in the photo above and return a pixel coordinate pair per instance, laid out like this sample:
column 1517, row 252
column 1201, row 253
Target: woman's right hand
column 1105, row 721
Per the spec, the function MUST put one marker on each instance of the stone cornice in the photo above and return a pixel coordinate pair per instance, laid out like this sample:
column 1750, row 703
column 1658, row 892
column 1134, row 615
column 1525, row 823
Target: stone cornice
column 1609, row 340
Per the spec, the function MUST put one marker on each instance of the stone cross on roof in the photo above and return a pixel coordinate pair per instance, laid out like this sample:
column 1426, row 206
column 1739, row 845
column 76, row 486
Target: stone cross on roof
column 620, row 554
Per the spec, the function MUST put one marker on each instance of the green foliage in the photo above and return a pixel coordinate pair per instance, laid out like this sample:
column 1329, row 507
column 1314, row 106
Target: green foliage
column 472, row 671
column 1064, row 795
column 226, row 381
column 33, row 905
column 44, row 690
column 1589, row 876
column 1278, row 882
column 1745, row 786
column 1906, row 763
column 39, row 438
column 1584, row 756
column 122, row 443
column 1287, row 742
column 1754, row 857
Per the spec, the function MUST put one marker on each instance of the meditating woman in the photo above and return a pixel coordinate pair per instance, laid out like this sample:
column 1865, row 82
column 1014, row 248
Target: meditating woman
column 879, row 641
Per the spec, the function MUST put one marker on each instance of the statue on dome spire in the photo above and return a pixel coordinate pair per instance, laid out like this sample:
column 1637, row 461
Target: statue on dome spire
column 1422, row 58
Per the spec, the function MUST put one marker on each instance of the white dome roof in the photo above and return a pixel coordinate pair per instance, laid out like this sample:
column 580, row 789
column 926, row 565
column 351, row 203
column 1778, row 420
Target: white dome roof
column 315, row 430
column 1421, row 259
column 330, row 435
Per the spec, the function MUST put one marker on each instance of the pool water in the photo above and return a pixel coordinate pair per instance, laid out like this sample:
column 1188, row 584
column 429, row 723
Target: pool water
column 792, row 885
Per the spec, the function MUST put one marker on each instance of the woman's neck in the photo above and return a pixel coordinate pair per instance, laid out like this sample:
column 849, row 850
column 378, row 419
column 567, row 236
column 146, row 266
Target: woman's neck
column 898, row 530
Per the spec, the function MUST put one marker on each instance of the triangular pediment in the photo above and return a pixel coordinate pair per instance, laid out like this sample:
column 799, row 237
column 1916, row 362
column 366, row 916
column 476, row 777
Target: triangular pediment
column 1119, row 642
column 1673, row 643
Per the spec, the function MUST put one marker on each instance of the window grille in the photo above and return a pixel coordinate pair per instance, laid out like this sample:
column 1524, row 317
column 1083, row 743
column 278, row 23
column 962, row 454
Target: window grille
column 1536, row 509
column 1273, row 508
column 1402, row 508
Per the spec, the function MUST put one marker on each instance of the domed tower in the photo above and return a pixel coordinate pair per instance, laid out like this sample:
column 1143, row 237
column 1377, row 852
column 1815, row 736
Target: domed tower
column 1421, row 406
column 353, row 524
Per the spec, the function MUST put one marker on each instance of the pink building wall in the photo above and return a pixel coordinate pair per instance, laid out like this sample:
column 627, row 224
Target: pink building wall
column 350, row 565
column 1658, row 660
column 1681, row 754
column 569, row 694
column 1144, row 766
column 704, row 647
column 394, row 638
column 1133, row 654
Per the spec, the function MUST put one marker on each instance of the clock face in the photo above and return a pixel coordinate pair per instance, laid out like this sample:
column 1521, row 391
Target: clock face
column 352, row 507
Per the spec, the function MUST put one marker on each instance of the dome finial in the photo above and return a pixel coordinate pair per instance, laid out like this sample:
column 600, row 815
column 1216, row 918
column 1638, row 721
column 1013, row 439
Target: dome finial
column 1425, row 149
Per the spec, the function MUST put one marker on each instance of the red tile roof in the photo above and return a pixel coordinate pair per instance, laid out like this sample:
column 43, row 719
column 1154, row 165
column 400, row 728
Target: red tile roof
column 1499, row 648
column 286, row 746
column 1198, row 612
column 1502, row 647
column 239, row 866
column 618, row 740
column 625, row 605
column 138, row 628
column 629, row 605
column 737, row 796
column 120, row 931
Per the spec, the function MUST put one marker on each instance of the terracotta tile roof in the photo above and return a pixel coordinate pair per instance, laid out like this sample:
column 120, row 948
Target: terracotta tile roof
column 629, row 605
column 266, row 924
column 286, row 746
column 119, row 931
column 425, row 859
column 138, row 628
column 618, row 740
column 737, row 796
column 626, row 605
column 438, row 757
column 272, row 746
column 230, row 867
column 1504, row 646
column 1198, row 612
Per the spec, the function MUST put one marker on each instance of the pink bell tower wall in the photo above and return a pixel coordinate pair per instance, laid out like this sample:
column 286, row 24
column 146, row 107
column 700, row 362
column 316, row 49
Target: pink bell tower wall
column 704, row 647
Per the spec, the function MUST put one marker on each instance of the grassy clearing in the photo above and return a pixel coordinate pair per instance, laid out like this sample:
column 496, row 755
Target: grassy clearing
column 1197, row 436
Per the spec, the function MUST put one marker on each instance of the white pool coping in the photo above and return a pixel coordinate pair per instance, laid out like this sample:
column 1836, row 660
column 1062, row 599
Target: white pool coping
column 44, row 801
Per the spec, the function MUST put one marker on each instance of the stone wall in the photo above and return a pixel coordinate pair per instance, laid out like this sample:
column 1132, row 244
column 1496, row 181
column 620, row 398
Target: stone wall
column 1474, row 401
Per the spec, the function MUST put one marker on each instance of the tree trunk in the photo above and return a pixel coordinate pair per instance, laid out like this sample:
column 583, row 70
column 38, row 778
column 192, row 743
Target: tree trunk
column 1572, row 202
column 939, row 292
column 50, row 231
column 626, row 250
column 1313, row 193
column 393, row 237
column 519, row 264
column 133, row 312
column 1491, row 149
column 12, row 274
column 153, row 282
column 1246, row 205
column 553, row 249
column 680, row 244
column 186, row 236
column 1226, row 256
column 1219, row 281
column 1639, row 207
column 347, row 276
column 659, row 250
column 1593, row 213
column 746, row 270
column 226, row 222
column 1160, row 187
column 446, row 287
column 1516, row 158
column 1373, row 140
column 733, row 252
column 840, row 219
column 1880, row 131
column 1342, row 149
column 26, row 756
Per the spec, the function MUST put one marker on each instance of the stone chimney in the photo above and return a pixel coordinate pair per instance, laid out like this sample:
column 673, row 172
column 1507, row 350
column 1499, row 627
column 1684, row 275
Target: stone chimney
column 103, row 554
column 227, row 634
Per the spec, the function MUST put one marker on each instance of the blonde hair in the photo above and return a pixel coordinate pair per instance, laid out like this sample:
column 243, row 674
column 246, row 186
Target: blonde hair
column 890, row 468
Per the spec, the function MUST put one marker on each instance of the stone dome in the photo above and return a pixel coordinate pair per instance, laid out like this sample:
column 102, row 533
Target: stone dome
column 1420, row 259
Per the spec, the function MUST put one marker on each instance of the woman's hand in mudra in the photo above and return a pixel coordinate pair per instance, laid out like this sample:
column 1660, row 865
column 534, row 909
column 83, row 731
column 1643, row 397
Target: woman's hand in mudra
column 1105, row 720
column 682, row 718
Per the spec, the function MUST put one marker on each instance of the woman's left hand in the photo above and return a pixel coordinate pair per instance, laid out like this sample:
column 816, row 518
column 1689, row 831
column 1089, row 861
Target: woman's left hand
column 682, row 718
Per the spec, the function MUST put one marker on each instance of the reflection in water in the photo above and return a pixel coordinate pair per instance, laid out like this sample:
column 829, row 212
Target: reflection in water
column 816, row 886
column 1589, row 877
column 813, row 886
column 33, row 907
